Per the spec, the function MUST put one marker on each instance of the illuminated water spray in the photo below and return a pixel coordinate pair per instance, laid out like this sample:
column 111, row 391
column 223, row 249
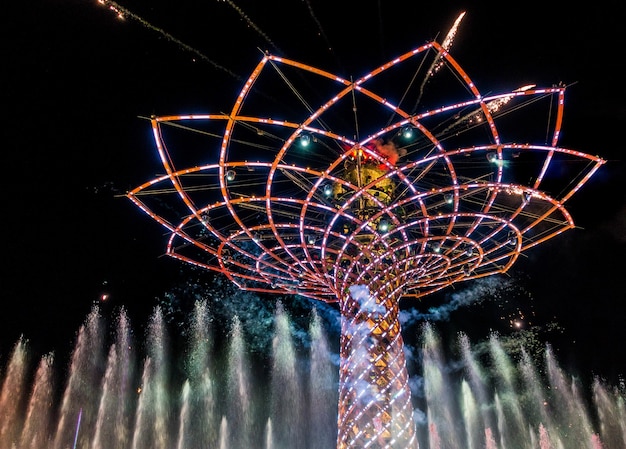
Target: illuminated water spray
column 286, row 195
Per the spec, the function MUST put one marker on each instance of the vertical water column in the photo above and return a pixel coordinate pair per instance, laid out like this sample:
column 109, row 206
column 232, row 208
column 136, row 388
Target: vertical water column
column 287, row 399
column 152, row 430
column 537, row 401
column 443, row 424
column 480, row 426
column 474, row 428
column 322, row 390
column 570, row 413
column 611, row 408
column 375, row 409
column 223, row 441
column 82, row 394
column 118, row 398
column 198, row 424
column 269, row 435
column 513, row 424
column 12, row 395
column 239, row 405
column 38, row 419
column 185, row 420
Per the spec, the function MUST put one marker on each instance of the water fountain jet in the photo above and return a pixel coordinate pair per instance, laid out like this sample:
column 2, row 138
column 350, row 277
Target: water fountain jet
column 467, row 403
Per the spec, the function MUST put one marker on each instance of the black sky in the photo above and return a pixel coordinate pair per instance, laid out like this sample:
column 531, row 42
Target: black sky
column 76, row 80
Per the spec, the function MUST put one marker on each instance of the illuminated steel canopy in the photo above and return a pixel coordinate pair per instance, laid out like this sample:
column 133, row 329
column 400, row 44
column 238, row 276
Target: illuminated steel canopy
column 408, row 179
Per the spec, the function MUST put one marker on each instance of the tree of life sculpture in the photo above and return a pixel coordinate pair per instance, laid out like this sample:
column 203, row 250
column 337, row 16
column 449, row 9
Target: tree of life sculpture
column 365, row 192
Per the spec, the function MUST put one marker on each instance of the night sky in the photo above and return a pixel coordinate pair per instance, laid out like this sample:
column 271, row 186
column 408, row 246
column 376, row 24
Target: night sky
column 76, row 82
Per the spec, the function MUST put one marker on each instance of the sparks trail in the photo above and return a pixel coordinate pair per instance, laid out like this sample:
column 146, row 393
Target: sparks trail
column 447, row 43
column 253, row 25
column 438, row 63
column 434, row 67
column 475, row 117
column 123, row 13
column 321, row 31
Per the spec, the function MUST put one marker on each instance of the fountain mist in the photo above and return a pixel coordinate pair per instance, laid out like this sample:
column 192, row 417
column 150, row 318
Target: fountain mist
column 495, row 402
column 113, row 398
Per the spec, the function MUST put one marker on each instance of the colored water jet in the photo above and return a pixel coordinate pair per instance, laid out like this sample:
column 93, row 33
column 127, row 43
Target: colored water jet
column 209, row 395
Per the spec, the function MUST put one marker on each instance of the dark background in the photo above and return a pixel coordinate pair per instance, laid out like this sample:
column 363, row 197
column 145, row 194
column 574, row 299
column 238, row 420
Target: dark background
column 76, row 80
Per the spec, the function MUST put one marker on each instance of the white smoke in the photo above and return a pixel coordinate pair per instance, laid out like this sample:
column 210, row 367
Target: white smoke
column 367, row 303
column 480, row 290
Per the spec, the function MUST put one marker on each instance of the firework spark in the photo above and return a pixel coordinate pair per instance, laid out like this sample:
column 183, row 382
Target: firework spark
column 447, row 44
column 253, row 25
column 123, row 13
column 438, row 62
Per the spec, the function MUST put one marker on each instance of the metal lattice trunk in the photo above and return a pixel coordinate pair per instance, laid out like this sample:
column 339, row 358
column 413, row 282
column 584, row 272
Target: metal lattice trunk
column 375, row 409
